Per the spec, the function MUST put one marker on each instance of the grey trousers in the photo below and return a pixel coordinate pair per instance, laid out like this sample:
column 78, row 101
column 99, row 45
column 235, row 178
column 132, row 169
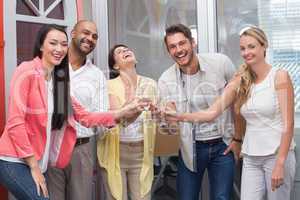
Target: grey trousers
column 75, row 182
column 256, row 178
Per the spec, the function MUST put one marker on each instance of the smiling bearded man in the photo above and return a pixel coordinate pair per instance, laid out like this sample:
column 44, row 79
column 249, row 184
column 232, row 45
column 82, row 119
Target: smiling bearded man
column 88, row 86
column 193, row 83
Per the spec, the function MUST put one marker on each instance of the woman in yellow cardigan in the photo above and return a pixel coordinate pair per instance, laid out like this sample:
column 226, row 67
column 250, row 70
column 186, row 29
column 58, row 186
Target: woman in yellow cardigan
column 125, row 153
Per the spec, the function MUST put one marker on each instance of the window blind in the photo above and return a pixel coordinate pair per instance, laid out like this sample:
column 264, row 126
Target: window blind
column 280, row 19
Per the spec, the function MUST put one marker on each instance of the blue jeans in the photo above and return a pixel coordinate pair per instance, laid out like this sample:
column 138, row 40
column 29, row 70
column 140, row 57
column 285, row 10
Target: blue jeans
column 16, row 177
column 220, row 173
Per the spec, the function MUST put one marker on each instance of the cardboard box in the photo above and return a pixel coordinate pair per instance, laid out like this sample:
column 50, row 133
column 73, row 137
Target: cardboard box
column 166, row 144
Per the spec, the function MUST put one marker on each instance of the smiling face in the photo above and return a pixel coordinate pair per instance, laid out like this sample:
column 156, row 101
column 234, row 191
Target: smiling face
column 54, row 48
column 124, row 57
column 84, row 37
column 181, row 49
column 251, row 50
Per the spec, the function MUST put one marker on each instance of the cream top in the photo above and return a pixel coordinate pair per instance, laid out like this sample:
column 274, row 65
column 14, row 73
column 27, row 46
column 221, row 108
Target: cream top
column 263, row 119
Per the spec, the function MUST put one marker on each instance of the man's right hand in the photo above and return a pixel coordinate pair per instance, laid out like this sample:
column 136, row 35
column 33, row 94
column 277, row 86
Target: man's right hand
column 168, row 112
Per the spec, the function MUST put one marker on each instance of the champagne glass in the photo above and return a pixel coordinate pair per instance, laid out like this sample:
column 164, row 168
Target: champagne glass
column 169, row 127
column 146, row 99
column 163, row 125
column 144, row 96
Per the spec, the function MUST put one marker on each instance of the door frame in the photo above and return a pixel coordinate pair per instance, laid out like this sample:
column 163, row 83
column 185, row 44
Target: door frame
column 3, row 192
column 2, row 81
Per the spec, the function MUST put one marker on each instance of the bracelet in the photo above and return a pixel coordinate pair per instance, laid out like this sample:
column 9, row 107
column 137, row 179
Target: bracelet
column 237, row 140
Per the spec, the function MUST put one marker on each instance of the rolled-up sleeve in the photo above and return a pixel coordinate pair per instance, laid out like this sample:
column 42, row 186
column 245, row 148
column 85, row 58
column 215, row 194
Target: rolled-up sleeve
column 90, row 119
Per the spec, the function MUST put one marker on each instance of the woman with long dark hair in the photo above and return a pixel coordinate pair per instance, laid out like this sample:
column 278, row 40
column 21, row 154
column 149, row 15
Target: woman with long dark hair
column 39, row 127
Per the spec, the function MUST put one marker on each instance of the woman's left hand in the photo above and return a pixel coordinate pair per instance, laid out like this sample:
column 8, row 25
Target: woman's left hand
column 277, row 176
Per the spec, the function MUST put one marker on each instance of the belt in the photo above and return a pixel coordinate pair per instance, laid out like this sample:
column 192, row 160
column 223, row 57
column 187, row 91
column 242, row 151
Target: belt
column 81, row 141
column 133, row 144
column 212, row 141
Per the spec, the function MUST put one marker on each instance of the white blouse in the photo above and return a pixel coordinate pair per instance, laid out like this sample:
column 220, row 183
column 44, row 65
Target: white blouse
column 264, row 124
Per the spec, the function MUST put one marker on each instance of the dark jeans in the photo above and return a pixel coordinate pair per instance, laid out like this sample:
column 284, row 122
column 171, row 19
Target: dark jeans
column 16, row 177
column 220, row 173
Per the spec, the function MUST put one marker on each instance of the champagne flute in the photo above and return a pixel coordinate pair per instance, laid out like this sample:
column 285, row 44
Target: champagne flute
column 144, row 96
column 169, row 127
column 163, row 125
column 147, row 100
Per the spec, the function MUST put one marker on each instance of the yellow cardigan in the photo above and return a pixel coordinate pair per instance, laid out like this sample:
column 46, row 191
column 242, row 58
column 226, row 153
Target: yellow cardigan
column 108, row 147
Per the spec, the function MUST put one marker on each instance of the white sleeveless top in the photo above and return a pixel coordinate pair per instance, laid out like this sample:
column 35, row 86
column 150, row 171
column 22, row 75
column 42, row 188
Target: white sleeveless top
column 263, row 119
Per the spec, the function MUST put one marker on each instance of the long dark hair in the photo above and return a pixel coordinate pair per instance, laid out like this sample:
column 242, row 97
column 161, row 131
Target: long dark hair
column 113, row 73
column 61, row 89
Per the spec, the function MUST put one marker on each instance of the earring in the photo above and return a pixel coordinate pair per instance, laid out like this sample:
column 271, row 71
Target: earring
column 116, row 68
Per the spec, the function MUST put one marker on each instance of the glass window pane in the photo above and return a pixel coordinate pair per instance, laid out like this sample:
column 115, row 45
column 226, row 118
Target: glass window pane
column 57, row 12
column 24, row 9
column 141, row 25
column 26, row 34
column 47, row 3
column 278, row 18
column 36, row 2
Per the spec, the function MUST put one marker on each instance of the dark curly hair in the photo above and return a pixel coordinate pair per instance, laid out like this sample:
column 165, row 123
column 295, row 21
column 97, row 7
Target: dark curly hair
column 113, row 73
column 178, row 28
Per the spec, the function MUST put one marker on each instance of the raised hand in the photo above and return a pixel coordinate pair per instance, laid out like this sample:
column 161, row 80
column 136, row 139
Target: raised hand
column 169, row 119
column 169, row 112
column 133, row 108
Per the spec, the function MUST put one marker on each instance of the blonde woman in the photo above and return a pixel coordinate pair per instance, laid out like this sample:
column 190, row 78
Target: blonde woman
column 126, row 152
column 264, row 97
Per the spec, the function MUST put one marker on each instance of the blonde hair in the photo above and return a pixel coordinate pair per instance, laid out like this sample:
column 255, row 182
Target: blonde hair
column 247, row 75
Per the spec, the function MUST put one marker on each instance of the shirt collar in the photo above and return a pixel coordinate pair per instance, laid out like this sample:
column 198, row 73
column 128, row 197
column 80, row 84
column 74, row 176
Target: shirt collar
column 88, row 63
column 203, row 66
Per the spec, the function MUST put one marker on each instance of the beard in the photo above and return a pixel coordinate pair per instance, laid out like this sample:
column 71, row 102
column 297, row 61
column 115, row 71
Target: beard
column 83, row 50
column 190, row 56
